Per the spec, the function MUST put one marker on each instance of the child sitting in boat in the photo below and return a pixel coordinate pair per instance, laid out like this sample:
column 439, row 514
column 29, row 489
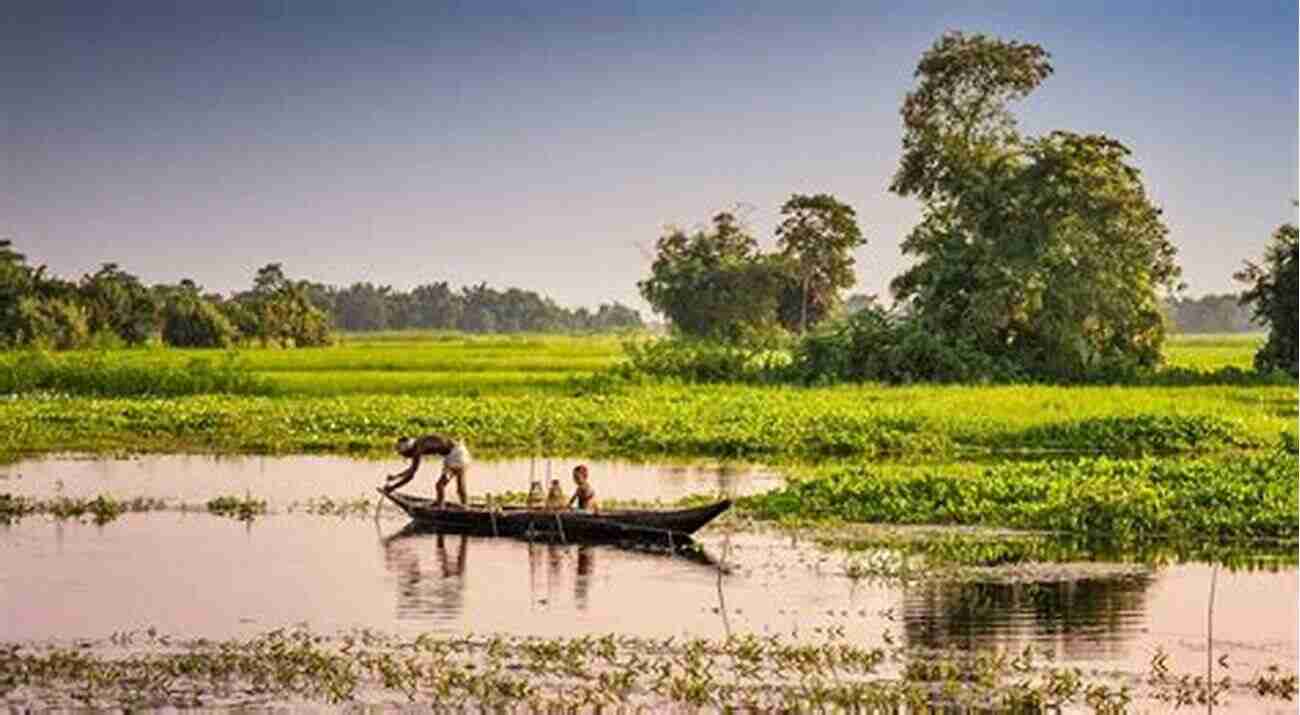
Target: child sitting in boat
column 455, row 460
column 555, row 497
column 584, row 495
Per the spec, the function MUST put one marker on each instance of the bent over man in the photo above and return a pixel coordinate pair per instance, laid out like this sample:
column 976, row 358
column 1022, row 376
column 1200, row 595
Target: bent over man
column 455, row 460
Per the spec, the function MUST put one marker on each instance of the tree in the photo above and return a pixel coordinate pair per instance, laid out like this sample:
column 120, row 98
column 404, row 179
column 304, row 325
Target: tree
column 278, row 310
column 436, row 306
column 1046, row 250
column 1273, row 295
column 119, row 303
column 190, row 321
column 16, row 283
column 1212, row 313
column 714, row 283
column 362, row 306
column 818, row 236
column 52, row 323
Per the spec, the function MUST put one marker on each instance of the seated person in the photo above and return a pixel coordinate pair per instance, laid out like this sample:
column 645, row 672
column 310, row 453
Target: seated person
column 585, row 496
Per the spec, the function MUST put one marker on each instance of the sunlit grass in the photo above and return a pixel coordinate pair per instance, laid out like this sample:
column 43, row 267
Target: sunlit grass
column 1213, row 351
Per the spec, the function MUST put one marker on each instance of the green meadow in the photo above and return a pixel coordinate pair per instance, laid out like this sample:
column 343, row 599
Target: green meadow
column 1213, row 437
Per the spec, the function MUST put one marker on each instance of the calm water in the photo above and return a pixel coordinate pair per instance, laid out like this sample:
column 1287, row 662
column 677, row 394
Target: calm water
column 194, row 574
column 285, row 480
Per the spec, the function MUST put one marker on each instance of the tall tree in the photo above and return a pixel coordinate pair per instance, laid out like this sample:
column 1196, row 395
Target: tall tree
column 1043, row 250
column 1274, row 285
column 817, row 236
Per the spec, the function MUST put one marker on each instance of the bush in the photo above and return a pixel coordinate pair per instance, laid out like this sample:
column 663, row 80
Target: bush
column 51, row 323
column 701, row 360
column 872, row 345
column 196, row 323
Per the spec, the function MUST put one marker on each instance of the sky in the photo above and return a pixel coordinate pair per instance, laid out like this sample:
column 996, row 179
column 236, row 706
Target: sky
column 547, row 145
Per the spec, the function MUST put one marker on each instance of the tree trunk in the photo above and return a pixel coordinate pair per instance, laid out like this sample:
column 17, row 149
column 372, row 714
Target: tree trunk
column 803, row 308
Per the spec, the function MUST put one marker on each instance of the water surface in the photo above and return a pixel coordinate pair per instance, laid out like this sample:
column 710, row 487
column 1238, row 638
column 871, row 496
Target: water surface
column 195, row 574
column 286, row 480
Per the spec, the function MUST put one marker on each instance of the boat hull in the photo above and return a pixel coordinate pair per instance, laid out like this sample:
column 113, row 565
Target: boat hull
column 617, row 525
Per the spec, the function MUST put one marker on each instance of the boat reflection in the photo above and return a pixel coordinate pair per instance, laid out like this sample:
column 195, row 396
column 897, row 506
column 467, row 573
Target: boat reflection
column 430, row 568
column 428, row 585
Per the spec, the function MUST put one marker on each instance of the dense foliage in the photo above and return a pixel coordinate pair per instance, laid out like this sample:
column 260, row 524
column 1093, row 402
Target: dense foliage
column 714, row 284
column 1044, row 251
column 816, row 237
column 717, row 283
column 1104, row 498
column 875, row 345
column 1273, row 293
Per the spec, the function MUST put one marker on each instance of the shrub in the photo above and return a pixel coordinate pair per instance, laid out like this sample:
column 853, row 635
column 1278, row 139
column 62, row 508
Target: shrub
column 874, row 345
column 196, row 323
column 701, row 360
column 51, row 323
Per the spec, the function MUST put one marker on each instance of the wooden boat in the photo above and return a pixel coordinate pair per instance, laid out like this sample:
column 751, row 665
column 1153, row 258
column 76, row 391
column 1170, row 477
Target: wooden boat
column 612, row 525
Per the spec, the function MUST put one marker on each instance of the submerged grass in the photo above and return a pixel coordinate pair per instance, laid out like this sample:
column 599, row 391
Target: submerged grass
column 583, row 674
column 245, row 508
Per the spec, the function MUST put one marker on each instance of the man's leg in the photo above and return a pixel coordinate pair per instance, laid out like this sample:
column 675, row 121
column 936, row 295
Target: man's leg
column 460, row 485
column 442, row 487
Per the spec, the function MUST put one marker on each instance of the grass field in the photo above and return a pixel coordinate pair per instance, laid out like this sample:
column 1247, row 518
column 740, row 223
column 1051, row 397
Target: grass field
column 532, row 395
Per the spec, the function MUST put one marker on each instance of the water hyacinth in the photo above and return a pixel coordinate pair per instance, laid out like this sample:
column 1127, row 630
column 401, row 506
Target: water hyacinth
column 583, row 673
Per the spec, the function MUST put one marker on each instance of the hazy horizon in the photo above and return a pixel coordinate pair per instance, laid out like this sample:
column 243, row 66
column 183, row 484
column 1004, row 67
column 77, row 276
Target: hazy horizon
column 546, row 151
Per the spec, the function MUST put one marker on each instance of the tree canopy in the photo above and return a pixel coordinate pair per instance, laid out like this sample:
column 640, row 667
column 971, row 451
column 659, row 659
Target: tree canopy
column 1274, row 285
column 714, row 283
column 717, row 283
column 1044, row 250
column 817, row 237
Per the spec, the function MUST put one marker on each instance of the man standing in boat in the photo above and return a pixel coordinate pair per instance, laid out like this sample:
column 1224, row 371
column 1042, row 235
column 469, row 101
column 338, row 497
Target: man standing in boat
column 455, row 460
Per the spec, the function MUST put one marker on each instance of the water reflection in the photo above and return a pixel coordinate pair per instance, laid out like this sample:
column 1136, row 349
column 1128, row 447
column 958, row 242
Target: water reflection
column 427, row 583
column 1082, row 618
column 430, row 569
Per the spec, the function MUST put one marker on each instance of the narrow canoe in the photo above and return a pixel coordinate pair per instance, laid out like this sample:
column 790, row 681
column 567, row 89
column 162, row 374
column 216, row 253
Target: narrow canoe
column 613, row 525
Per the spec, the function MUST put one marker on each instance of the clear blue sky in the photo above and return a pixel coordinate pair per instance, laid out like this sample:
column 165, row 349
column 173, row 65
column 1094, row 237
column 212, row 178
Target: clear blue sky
column 546, row 145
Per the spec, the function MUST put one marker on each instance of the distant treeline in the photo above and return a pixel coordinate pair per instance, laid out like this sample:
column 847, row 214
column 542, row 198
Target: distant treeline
column 472, row 309
column 1213, row 313
column 113, row 307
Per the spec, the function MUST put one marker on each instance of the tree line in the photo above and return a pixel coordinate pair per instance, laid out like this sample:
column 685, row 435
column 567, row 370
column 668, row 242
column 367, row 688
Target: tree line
column 1211, row 313
column 1036, row 257
column 113, row 307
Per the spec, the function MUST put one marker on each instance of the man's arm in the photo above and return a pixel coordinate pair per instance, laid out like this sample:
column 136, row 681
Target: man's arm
column 396, row 480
